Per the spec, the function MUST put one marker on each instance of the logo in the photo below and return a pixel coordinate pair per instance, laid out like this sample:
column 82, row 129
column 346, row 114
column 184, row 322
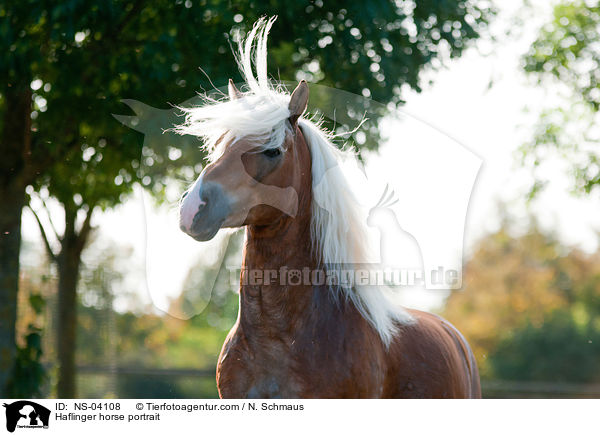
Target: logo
column 26, row 414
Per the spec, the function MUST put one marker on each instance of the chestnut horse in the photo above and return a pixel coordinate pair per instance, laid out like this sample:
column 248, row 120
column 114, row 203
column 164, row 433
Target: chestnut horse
column 275, row 173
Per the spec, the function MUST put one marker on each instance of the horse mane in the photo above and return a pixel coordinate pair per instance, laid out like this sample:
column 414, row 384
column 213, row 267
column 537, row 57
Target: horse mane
column 340, row 235
column 338, row 227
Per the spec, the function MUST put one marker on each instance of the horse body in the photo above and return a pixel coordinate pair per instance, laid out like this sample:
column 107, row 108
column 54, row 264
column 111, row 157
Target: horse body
column 343, row 357
column 276, row 174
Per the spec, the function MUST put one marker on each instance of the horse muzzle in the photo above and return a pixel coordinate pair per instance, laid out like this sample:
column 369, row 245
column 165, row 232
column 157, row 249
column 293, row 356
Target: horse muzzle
column 203, row 210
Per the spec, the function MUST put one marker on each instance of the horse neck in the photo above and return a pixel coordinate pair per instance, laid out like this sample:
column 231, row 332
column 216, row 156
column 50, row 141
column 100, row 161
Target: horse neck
column 278, row 309
column 281, row 247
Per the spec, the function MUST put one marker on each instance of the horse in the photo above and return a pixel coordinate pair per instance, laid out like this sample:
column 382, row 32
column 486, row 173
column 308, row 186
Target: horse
column 275, row 172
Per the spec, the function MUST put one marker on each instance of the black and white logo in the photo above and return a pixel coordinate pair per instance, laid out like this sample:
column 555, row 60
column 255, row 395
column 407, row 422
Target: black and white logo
column 26, row 414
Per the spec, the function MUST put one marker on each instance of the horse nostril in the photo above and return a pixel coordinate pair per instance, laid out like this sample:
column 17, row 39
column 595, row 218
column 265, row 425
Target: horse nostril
column 203, row 201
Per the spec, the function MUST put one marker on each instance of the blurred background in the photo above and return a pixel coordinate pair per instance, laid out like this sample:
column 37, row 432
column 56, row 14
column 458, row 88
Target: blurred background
column 517, row 83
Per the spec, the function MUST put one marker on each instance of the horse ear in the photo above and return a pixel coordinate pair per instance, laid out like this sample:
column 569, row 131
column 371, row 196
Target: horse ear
column 298, row 102
column 234, row 93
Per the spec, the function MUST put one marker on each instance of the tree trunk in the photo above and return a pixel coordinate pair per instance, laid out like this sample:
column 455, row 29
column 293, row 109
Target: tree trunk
column 10, row 244
column 69, row 261
column 14, row 144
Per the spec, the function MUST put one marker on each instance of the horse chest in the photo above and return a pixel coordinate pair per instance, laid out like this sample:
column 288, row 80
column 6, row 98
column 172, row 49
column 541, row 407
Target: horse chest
column 253, row 374
column 244, row 371
column 267, row 387
column 256, row 380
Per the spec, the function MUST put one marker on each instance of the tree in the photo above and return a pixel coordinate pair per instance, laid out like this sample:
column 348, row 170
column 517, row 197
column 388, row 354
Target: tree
column 566, row 59
column 66, row 65
column 522, row 294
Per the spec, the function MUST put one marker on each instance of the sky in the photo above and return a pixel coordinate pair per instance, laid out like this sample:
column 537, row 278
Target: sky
column 471, row 129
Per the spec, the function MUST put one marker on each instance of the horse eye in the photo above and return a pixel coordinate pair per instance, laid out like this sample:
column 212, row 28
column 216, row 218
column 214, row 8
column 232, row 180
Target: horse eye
column 272, row 153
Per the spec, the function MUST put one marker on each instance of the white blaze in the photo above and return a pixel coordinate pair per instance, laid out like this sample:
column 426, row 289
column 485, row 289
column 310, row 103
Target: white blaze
column 190, row 205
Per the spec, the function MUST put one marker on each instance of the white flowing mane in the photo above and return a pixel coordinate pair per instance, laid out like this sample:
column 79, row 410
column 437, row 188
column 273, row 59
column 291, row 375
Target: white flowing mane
column 338, row 226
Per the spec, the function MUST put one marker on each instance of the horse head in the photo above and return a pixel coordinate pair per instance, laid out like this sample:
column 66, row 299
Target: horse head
column 256, row 179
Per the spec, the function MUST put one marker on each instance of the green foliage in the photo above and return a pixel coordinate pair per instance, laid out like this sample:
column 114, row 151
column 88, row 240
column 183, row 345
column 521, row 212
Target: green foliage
column 557, row 350
column 565, row 49
column 84, row 57
column 29, row 374
column 565, row 58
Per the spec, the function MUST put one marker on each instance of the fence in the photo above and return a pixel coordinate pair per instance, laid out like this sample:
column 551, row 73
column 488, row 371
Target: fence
column 532, row 389
column 144, row 382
